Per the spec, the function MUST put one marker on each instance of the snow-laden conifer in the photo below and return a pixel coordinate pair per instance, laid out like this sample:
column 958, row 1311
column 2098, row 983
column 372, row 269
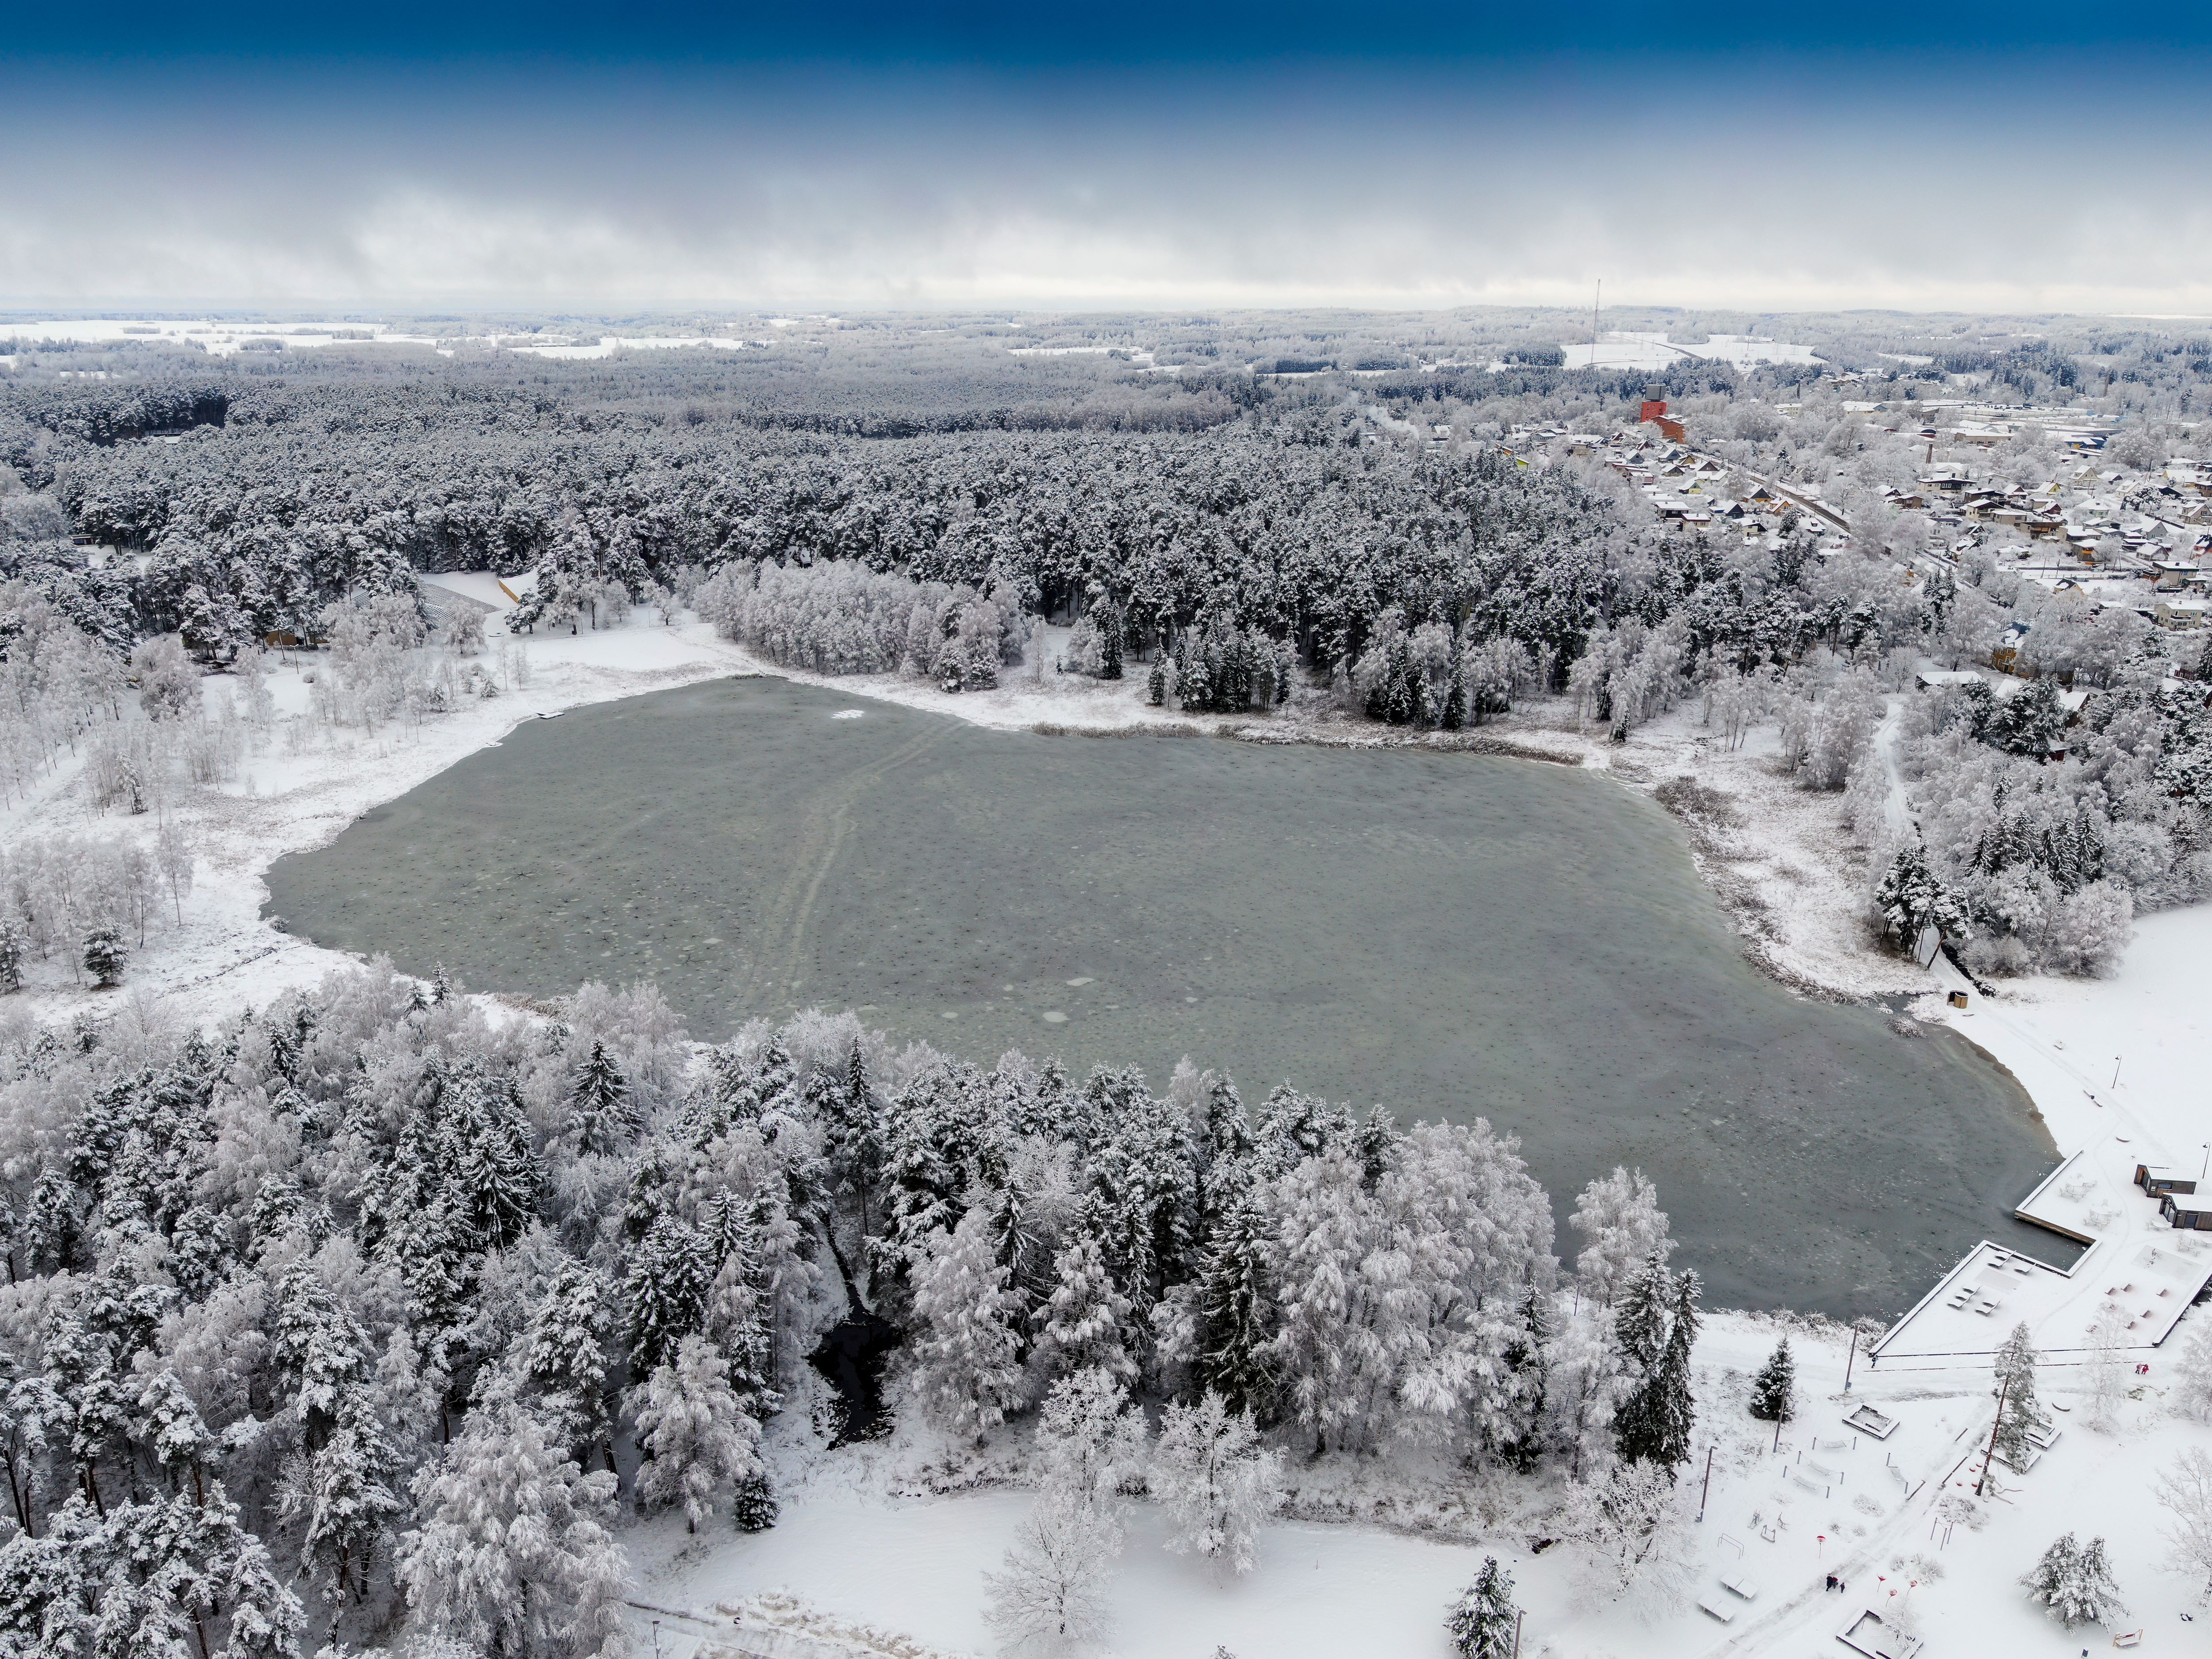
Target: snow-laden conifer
column 1485, row 1620
column 967, row 1375
column 699, row 1442
column 515, row 1555
column 1774, row 1389
column 1085, row 1321
column 2074, row 1583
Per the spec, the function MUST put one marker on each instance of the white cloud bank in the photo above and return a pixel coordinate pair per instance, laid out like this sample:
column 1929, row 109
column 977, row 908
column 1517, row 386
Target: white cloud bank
column 955, row 195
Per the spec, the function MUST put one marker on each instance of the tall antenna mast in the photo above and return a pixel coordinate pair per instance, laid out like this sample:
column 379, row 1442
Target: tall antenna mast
column 1597, row 300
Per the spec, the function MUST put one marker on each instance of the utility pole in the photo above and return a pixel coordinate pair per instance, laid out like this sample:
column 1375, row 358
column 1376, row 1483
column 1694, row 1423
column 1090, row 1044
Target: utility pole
column 1990, row 1450
column 1708, row 1488
column 1519, row 1614
column 2116, row 1070
column 1851, row 1360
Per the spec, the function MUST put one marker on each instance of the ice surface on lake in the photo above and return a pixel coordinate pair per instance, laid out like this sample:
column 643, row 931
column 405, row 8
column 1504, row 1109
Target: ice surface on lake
column 1449, row 934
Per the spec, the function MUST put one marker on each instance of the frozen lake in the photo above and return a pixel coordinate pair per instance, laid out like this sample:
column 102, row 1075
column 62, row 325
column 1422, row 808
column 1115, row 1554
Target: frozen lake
column 1453, row 935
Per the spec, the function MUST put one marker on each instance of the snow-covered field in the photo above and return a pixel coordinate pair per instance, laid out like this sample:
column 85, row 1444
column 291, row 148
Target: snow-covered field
column 864, row 1556
column 1777, row 1520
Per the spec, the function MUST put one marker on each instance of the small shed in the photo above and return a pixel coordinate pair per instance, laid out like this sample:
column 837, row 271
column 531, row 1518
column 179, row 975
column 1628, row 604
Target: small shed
column 2181, row 1210
column 2159, row 1179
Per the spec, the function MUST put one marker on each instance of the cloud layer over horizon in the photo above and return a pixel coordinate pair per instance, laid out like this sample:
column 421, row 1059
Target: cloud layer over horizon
column 1761, row 177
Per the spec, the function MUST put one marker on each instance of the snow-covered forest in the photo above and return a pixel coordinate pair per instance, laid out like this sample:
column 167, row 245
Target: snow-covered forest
column 363, row 1312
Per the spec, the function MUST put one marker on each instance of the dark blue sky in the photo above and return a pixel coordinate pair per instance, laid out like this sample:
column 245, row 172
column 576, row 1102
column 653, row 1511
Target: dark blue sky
column 1146, row 32
column 2016, row 157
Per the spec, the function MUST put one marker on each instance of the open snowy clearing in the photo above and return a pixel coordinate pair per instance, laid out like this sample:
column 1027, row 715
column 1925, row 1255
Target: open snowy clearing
column 1778, row 1520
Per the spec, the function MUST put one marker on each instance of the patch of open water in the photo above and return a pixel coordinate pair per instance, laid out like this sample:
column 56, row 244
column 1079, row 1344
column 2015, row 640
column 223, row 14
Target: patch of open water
column 1453, row 935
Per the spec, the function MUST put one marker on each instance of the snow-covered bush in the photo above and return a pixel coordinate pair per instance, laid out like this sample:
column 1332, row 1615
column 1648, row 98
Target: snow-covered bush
column 1052, row 1592
column 168, row 680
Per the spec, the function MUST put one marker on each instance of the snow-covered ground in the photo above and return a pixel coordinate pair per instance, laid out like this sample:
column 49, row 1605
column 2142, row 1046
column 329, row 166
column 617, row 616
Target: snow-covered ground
column 1778, row 1521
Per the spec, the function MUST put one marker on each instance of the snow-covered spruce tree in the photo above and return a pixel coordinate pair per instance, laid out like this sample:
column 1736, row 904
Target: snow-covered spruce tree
column 1654, row 1424
column 1484, row 1621
column 1911, row 897
column 1639, row 1315
column 601, row 1118
column 1774, row 1390
column 1619, row 1216
column 105, row 957
column 2074, row 1583
column 1084, row 1323
column 568, row 1356
column 11, row 956
column 514, row 1556
column 2019, row 1415
column 699, row 1442
column 669, row 1281
column 1217, row 1482
column 1526, row 1358
column 966, row 1376
column 1052, row 1592
column 162, row 1576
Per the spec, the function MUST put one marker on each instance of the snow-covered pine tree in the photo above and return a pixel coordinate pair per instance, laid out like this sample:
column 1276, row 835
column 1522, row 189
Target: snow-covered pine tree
column 1085, row 1320
column 1654, row 1424
column 699, row 1442
column 105, row 957
column 967, row 1373
column 669, row 1281
column 1527, row 1360
column 11, row 956
column 1236, row 1322
column 1774, row 1390
column 494, row 1179
column 514, row 1556
column 1639, row 1315
column 1910, row 896
column 2014, row 1382
column 173, row 1429
column 344, row 1498
column 601, row 1118
column 1216, row 1481
column 1484, row 1622
column 1009, row 1210
column 2074, row 1583
column 569, row 1353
